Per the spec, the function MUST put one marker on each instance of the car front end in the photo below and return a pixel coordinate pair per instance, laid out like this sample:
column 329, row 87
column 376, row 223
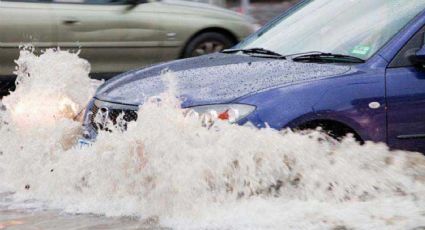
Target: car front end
column 275, row 79
column 213, row 84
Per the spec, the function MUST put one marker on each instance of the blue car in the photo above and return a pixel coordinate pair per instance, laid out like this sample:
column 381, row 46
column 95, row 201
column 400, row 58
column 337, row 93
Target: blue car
column 347, row 66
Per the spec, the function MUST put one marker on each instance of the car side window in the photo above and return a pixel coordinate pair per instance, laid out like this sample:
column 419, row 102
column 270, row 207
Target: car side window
column 33, row 1
column 414, row 44
column 92, row 2
column 69, row 1
column 104, row 1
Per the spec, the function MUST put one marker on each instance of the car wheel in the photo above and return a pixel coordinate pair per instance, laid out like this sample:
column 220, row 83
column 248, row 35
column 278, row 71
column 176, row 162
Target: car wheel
column 207, row 43
column 333, row 131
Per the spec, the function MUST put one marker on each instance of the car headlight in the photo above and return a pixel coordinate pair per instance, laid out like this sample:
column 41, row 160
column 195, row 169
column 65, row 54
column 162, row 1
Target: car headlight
column 226, row 112
column 29, row 112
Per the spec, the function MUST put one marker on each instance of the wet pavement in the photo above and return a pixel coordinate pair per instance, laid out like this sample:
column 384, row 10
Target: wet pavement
column 11, row 219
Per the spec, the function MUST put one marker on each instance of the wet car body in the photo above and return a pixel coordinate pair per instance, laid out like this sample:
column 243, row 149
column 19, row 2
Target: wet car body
column 380, row 100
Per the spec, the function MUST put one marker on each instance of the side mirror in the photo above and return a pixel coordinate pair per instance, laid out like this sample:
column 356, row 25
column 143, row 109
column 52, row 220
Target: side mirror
column 418, row 57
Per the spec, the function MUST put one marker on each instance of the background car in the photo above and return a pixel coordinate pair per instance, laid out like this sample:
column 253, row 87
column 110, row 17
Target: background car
column 360, row 72
column 118, row 35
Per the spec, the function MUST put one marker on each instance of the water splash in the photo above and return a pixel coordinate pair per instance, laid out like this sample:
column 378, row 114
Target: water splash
column 169, row 168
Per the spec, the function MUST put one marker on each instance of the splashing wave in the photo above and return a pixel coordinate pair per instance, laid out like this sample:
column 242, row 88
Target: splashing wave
column 167, row 166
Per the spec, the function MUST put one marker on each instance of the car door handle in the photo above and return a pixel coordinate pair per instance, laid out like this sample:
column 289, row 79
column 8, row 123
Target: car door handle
column 70, row 21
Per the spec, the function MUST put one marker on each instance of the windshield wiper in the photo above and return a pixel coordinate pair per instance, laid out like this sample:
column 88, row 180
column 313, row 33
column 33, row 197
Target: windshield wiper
column 325, row 57
column 261, row 51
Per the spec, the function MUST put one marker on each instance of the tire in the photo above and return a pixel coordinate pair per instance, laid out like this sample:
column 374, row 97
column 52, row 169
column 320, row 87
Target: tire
column 206, row 43
column 331, row 130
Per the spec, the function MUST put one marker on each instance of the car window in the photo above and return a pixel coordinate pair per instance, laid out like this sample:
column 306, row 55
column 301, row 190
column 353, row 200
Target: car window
column 34, row 1
column 68, row 1
column 402, row 57
column 95, row 2
column 349, row 27
column 104, row 1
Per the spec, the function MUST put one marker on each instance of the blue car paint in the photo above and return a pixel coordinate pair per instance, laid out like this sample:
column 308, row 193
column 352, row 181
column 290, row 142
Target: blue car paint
column 345, row 98
column 215, row 78
column 406, row 107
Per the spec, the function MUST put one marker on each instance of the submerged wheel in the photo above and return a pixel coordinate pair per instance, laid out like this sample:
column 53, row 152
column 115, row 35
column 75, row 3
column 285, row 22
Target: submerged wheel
column 334, row 131
column 206, row 43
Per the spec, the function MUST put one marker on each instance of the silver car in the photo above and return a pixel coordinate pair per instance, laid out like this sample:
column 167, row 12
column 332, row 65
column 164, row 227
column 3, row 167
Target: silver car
column 118, row 35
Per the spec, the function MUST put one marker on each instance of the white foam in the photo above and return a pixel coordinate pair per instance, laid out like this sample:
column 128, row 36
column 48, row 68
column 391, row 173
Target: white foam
column 168, row 166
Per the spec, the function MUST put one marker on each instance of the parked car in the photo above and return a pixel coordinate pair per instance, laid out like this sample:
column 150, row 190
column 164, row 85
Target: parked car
column 348, row 66
column 118, row 35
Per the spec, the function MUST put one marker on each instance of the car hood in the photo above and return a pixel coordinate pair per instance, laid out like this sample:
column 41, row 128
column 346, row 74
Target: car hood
column 217, row 78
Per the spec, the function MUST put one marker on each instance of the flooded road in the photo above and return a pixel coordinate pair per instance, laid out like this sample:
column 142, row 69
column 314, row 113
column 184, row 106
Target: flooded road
column 168, row 170
column 54, row 220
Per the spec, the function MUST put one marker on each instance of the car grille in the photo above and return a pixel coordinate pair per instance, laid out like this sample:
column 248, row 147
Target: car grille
column 111, row 116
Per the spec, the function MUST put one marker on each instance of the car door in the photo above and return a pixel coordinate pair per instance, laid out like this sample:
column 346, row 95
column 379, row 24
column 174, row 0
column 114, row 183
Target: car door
column 23, row 22
column 112, row 35
column 406, row 99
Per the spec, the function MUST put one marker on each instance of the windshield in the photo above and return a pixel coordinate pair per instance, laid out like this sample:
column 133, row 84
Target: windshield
column 351, row 27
